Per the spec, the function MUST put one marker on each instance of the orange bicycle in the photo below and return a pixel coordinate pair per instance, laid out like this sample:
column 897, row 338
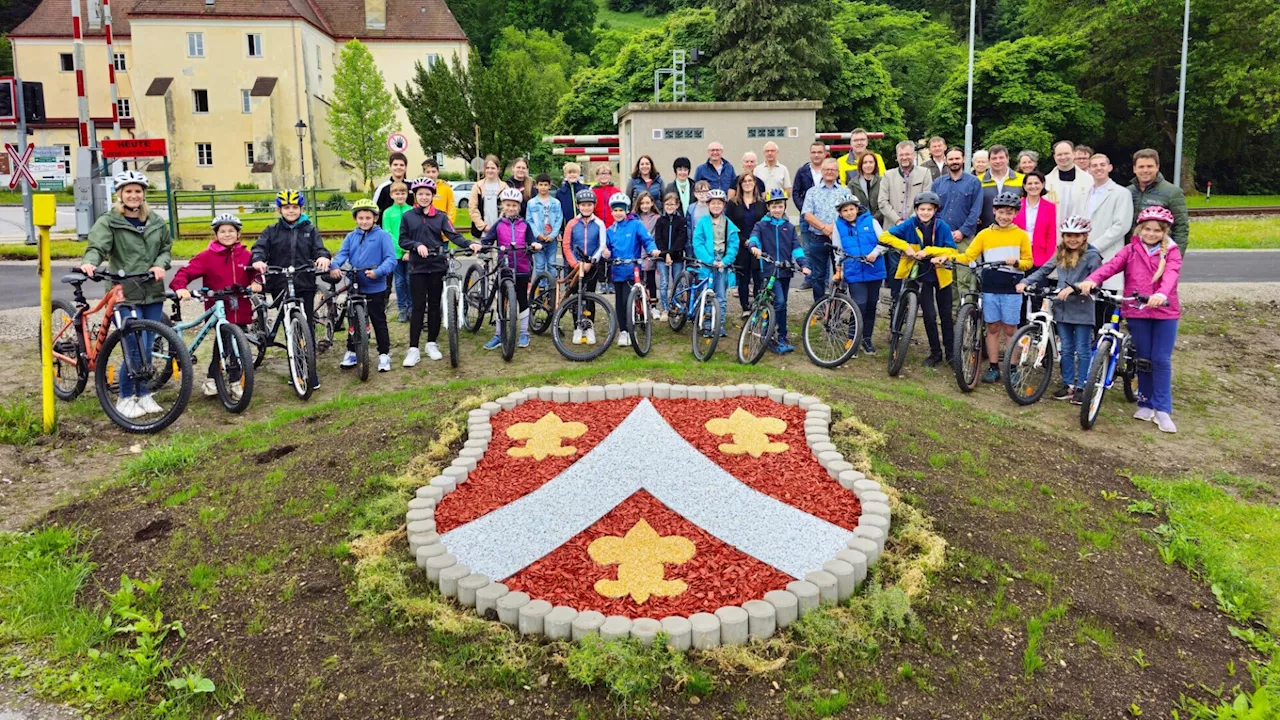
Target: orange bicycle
column 132, row 359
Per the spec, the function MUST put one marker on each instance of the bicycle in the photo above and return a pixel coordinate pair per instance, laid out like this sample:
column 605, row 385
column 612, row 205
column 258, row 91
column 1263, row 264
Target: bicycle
column 481, row 294
column 84, row 347
column 827, row 338
column 971, row 331
column 453, row 298
column 902, row 320
column 234, row 376
column 638, row 308
column 696, row 297
column 299, row 344
column 475, row 285
column 546, row 290
column 1033, row 352
column 575, row 319
column 1113, row 354
column 347, row 305
column 760, row 326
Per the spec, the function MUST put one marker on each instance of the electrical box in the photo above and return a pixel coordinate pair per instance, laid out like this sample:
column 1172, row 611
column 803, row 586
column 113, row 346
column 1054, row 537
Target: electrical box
column 93, row 196
column 44, row 210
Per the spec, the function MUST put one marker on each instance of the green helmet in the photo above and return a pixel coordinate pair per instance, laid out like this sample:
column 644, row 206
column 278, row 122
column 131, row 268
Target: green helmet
column 364, row 204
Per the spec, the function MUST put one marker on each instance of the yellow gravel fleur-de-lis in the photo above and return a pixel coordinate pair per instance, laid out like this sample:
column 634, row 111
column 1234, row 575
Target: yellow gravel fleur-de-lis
column 750, row 433
column 543, row 437
column 640, row 556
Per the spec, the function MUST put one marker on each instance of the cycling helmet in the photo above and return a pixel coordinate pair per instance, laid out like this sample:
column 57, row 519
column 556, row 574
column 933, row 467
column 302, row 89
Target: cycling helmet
column 288, row 197
column 1006, row 199
column 851, row 200
column 364, row 204
column 775, row 195
column 225, row 219
column 1076, row 224
column 716, row 194
column 511, row 194
column 585, row 196
column 930, row 197
column 619, row 199
column 422, row 182
column 1155, row 212
column 129, row 177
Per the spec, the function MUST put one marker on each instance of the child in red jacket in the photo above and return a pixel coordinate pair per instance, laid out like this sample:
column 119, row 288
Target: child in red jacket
column 225, row 263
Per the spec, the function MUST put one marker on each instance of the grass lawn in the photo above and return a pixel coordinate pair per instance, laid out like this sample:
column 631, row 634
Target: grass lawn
column 1236, row 233
column 632, row 21
column 1197, row 200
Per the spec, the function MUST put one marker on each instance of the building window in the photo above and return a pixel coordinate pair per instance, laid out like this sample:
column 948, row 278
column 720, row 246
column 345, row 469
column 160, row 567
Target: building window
column 319, row 60
column 246, row 102
column 66, row 62
column 248, row 154
column 204, row 154
column 255, row 44
column 195, row 44
column 66, row 151
column 766, row 132
column 682, row 133
column 121, row 64
column 200, row 101
column 123, row 109
column 432, row 59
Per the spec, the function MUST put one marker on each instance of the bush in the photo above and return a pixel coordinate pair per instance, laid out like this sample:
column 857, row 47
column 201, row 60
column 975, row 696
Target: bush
column 246, row 186
column 336, row 201
column 264, row 206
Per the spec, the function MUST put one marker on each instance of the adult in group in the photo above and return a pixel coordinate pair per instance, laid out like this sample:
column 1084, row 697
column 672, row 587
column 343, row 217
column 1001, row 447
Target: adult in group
column 1084, row 158
column 1110, row 211
column 1039, row 217
column 521, row 180
column 749, row 163
column 857, row 145
column 807, row 176
column 444, row 200
column 897, row 201
column 979, row 162
column 483, row 205
column 773, row 174
column 960, row 195
column 866, row 186
column 717, row 171
column 399, row 165
column 1065, row 186
column 745, row 210
column 1028, row 160
column 1150, row 188
column 820, row 212
column 645, row 179
column 937, row 162
column 999, row 178
column 682, row 186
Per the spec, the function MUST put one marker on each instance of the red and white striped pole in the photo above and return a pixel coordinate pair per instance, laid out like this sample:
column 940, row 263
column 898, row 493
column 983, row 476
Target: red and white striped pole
column 582, row 139
column 845, row 136
column 585, row 151
column 111, row 69
column 77, row 55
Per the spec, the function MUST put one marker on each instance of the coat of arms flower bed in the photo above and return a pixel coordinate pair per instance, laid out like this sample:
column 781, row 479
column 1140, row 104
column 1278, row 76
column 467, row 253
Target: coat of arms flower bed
column 711, row 513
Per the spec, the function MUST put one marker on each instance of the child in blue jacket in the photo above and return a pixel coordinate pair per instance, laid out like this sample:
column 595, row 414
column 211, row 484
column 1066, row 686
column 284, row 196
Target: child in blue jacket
column 371, row 249
column 920, row 237
column 775, row 236
column 626, row 239
column 859, row 236
column 715, row 244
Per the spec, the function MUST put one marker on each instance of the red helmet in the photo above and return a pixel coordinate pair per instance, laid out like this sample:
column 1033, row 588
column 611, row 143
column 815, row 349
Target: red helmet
column 1155, row 212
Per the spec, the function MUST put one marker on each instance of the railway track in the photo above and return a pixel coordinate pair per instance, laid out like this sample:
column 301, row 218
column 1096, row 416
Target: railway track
column 1232, row 211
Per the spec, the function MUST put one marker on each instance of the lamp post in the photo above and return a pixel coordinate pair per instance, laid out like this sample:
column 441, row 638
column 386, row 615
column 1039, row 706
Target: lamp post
column 968, row 113
column 301, row 129
column 1182, row 95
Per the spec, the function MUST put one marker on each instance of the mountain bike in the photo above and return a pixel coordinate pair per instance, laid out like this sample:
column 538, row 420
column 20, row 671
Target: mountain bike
column 1113, row 354
column 120, row 345
column 299, row 339
column 695, row 297
column 497, row 286
column 902, row 319
column 1033, row 352
column 761, row 325
column 833, row 327
column 546, row 290
column 581, row 316
column 476, row 287
column 453, row 299
column 348, row 306
column 971, row 331
column 233, row 365
column 638, row 308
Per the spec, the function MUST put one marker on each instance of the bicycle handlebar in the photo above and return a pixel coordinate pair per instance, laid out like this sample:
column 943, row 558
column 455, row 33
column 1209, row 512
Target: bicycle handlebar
column 1115, row 297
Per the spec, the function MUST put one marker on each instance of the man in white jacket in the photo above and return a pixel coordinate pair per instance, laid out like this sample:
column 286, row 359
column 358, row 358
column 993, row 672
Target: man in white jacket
column 1110, row 210
column 1066, row 186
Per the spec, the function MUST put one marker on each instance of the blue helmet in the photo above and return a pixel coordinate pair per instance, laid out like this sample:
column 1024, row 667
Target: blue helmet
column 775, row 195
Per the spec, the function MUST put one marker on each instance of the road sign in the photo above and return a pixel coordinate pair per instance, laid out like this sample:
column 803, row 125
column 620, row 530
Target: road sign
column 18, row 163
column 49, row 166
column 397, row 142
column 134, row 148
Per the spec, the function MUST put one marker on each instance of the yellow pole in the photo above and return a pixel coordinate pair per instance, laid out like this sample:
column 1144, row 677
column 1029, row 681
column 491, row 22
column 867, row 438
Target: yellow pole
column 43, row 214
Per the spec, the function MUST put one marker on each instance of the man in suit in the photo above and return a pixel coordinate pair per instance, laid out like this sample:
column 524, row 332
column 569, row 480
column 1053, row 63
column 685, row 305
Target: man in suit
column 1110, row 210
column 937, row 162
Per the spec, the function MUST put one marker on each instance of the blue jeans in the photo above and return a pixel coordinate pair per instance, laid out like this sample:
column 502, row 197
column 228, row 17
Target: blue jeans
column 817, row 248
column 666, row 279
column 1153, row 341
column 542, row 259
column 1077, row 347
column 139, row 356
column 891, row 268
column 720, row 286
column 865, row 295
column 400, row 282
column 781, row 286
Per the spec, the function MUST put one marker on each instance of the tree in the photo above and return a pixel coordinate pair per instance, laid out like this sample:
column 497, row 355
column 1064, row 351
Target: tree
column 572, row 19
column 481, row 20
column 6, row 56
column 862, row 95
column 781, row 51
column 362, row 113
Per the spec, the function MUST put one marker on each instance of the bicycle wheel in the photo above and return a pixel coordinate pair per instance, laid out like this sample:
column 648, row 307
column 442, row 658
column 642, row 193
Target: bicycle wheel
column 451, row 316
column 259, row 332
column 568, row 320
column 1025, row 369
column 542, row 302
column 706, row 326
column 327, row 316
column 641, row 325
column 233, row 370
column 825, row 335
column 1128, row 371
column 756, row 332
column 968, row 351
column 1096, row 387
column 678, row 313
column 136, row 339
column 360, row 333
column 475, row 293
column 70, row 375
column 302, row 354
column 901, row 327
column 508, row 318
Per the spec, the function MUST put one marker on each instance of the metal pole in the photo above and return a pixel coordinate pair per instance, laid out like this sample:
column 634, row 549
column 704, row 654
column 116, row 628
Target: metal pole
column 302, row 157
column 48, row 211
column 968, row 114
column 82, row 100
column 21, row 143
column 1182, row 95
column 111, row 69
column 173, row 206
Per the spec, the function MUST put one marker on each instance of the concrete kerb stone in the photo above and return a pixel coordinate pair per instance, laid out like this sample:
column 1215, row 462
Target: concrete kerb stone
column 875, row 521
column 560, row 395
column 546, row 392
column 867, row 547
column 487, row 599
column 530, row 393
column 630, row 389
column 762, row 618
column 420, row 513
column 845, row 575
column 732, row 391
column 679, row 392
column 761, row 390
column 679, row 632
column 662, row 391
column 821, row 447
column 418, row 527
column 734, row 627
column 457, row 472
column 426, row 552
column 595, row 393
column 449, row 578
column 644, row 388
column 828, row 589
column 645, row 630
column 847, row 479
column 558, row 624
column 791, row 398
column 705, row 631
column 715, row 393
column 813, row 438
column 807, row 596
column 465, row 462
column 613, row 391
column 579, row 395
column 697, row 392
column 468, row 586
column 421, row 540
column 479, row 443
column 492, row 407
column 776, row 395
column 874, row 496
column 835, row 468
column 586, row 623
column 508, row 402
column 859, row 562
column 430, row 491
column 872, row 533
column 446, row 485
column 615, row 627
column 786, row 606
column 819, row 407
column 875, row 508
column 530, row 616
column 863, row 485
column 418, row 502
column 830, row 456
column 509, row 607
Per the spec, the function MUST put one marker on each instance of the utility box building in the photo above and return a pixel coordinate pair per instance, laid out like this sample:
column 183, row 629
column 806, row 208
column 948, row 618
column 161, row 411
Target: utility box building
column 666, row 130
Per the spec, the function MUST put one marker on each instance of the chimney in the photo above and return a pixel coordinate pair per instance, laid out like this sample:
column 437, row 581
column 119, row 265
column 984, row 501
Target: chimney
column 95, row 14
column 375, row 14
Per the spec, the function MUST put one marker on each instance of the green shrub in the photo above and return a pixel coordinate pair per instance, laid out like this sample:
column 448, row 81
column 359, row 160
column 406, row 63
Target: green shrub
column 336, row 201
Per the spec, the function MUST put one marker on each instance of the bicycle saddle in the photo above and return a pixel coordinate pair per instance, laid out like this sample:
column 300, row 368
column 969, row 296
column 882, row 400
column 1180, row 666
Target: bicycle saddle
column 73, row 278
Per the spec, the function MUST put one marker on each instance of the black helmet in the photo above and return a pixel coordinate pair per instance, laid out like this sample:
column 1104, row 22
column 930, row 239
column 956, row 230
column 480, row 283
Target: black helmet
column 1005, row 199
column 928, row 196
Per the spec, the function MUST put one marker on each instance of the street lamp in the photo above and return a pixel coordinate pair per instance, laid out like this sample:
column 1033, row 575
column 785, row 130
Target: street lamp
column 301, row 129
column 968, row 113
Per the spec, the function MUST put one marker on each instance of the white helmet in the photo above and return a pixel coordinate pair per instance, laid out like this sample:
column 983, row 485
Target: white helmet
column 225, row 219
column 619, row 199
column 511, row 194
column 1076, row 224
column 716, row 194
column 129, row 177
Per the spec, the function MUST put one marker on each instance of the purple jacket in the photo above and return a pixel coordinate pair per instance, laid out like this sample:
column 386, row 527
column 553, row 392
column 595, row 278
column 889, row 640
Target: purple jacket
column 511, row 232
column 1138, row 267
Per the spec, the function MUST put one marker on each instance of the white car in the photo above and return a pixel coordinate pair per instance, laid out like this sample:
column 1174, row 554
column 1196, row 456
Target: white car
column 462, row 192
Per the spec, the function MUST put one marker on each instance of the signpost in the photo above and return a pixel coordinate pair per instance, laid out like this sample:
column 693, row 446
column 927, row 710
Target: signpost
column 43, row 213
column 397, row 142
column 49, row 167
column 146, row 148
column 18, row 162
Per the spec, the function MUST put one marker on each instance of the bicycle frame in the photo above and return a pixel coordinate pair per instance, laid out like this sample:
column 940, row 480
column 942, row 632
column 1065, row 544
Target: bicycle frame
column 211, row 319
column 700, row 286
column 107, row 305
column 1044, row 318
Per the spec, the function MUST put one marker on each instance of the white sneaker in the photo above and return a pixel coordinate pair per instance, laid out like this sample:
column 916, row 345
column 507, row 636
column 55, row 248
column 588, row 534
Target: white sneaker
column 1165, row 423
column 237, row 391
column 148, row 405
column 411, row 358
column 128, row 407
column 1145, row 414
column 209, row 388
column 433, row 351
column 384, row 363
column 591, row 336
column 655, row 313
column 624, row 339
column 348, row 360
column 664, row 317
column 577, row 336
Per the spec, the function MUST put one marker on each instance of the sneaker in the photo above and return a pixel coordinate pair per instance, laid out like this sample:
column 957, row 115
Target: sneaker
column 591, row 336
column 384, row 363
column 806, row 285
column 402, row 318
column 934, row 360
column 494, row 343
column 315, row 383
column 724, row 333
column 787, row 347
column 209, row 388
column 746, row 314
column 1145, row 414
column 1077, row 396
column 1063, row 393
column 777, row 348
column 237, row 391
column 128, row 407
column 577, row 336
column 148, row 405
column 411, row 358
column 1165, row 423
column 524, row 340
column 348, row 360
column 655, row 313
column 624, row 339
column 433, row 351
column 991, row 375
column 664, row 316
column 867, row 347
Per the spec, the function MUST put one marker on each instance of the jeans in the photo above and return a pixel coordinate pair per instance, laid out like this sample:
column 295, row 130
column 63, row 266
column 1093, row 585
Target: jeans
column 426, row 288
column 749, row 282
column 139, row 356
column 817, row 248
column 963, row 281
column 865, row 295
column 1076, row 342
column 377, row 306
column 935, row 303
column 1153, row 341
column 720, row 285
column 544, row 258
column 781, row 286
column 666, row 281
column 891, row 268
column 400, row 282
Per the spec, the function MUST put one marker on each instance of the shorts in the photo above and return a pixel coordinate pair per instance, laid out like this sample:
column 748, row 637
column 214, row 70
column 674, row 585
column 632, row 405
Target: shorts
column 1002, row 308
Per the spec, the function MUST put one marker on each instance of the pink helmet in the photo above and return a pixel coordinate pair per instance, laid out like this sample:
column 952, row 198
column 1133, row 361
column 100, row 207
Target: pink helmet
column 1155, row 212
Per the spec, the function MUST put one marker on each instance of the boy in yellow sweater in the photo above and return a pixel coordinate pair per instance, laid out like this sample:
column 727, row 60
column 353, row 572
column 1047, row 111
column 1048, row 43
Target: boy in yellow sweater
column 1009, row 245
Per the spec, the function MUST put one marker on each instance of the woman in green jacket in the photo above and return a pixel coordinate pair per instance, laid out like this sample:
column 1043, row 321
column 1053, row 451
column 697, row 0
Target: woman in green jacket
column 133, row 240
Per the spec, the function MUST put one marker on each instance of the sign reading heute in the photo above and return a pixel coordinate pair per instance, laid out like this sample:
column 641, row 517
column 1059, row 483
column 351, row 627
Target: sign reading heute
column 134, row 148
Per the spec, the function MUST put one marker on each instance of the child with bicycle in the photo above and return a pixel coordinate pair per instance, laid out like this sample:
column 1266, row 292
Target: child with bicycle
column 645, row 208
column 545, row 218
column 1151, row 263
column 390, row 222
column 134, row 240
column 425, row 234
column 626, row 239
column 715, row 244
column 671, row 235
column 224, row 264
column 584, row 241
column 1009, row 246
column 859, row 236
column 511, row 234
column 370, row 249
column 775, row 236
column 920, row 237
column 1073, row 313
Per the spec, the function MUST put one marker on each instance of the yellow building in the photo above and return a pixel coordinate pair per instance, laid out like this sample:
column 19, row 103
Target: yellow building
column 225, row 82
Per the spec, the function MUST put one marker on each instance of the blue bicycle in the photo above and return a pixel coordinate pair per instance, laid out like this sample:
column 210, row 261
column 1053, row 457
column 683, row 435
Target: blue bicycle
column 232, row 367
column 1113, row 355
column 695, row 297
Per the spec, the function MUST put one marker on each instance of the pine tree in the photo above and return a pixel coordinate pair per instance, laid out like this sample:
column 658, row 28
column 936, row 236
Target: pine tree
column 363, row 112
column 781, row 50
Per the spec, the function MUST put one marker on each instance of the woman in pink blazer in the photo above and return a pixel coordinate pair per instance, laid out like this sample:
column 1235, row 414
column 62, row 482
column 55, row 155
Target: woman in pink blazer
column 1039, row 218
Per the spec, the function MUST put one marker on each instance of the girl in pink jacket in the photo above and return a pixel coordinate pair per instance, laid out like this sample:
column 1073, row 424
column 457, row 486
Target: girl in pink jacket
column 1150, row 263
